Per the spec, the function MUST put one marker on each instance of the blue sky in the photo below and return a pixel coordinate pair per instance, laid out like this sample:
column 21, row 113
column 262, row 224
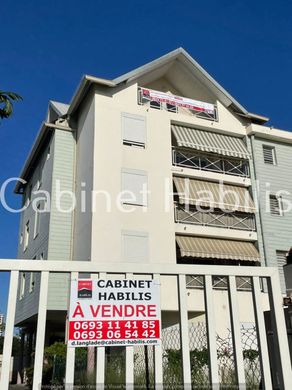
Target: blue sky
column 47, row 46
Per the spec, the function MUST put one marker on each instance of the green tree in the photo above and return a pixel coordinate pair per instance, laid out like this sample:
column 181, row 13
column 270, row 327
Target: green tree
column 6, row 103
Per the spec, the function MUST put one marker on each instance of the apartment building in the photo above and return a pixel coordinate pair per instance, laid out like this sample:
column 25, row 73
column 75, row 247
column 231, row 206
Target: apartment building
column 142, row 154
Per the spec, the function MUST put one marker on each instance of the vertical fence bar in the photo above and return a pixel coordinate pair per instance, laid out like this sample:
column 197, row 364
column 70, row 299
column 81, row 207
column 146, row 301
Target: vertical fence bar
column 261, row 331
column 9, row 328
column 236, row 334
column 41, row 331
column 184, row 332
column 158, row 362
column 129, row 359
column 100, row 357
column 211, row 332
column 70, row 358
column 91, row 350
column 280, row 330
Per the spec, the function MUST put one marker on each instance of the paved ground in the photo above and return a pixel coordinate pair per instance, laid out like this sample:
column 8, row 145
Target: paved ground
column 18, row 387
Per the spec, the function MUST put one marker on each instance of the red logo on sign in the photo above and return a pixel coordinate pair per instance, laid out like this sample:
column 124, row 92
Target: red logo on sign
column 84, row 288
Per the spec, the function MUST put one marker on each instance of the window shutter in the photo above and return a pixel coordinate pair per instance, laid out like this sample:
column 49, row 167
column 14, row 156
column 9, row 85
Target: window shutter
column 269, row 155
column 281, row 261
column 135, row 247
column 134, row 130
column 275, row 205
column 134, row 182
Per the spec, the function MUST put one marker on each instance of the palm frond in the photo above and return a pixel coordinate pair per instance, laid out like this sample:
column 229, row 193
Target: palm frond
column 6, row 105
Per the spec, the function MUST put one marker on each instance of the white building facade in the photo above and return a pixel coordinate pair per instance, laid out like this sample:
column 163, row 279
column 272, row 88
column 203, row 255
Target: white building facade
column 140, row 153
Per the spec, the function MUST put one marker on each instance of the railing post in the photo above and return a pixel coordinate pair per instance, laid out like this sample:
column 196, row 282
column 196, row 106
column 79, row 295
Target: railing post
column 211, row 333
column 70, row 358
column 8, row 339
column 280, row 338
column 100, row 357
column 41, row 331
column 184, row 332
column 158, row 362
column 236, row 334
column 261, row 331
column 129, row 359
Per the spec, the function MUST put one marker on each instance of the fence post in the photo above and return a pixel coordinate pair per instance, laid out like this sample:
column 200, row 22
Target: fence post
column 8, row 339
column 261, row 331
column 211, row 327
column 70, row 358
column 41, row 330
column 236, row 333
column 158, row 362
column 100, row 357
column 280, row 330
column 129, row 359
column 184, row 332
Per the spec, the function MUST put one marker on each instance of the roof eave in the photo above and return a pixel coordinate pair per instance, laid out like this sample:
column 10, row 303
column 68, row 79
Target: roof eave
column 83, row 88
column 29, row 159
column 37, row 145
column 258, row 119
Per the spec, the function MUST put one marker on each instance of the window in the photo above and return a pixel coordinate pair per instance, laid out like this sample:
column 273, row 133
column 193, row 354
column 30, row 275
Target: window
column 28, row 192
column 38, row 184
column 22, row 285
column 26, row 236
column 32, row 280
column 37, row 221
column 269, row 155
column 276, row 205
column 134, row 130
column 48, row 152
column 134, row 247
column 281, row 261
column 134, row 187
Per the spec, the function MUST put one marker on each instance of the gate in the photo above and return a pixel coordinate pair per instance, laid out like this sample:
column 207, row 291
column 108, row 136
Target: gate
column 264, row 284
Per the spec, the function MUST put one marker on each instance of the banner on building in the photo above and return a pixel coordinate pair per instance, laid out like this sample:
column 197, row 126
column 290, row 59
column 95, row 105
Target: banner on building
column 114, row 313
column 178, row 101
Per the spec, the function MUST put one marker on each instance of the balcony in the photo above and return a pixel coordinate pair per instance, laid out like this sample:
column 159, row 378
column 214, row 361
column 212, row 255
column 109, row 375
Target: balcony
column 195, row 159
column 227, row 220
column 176, row 104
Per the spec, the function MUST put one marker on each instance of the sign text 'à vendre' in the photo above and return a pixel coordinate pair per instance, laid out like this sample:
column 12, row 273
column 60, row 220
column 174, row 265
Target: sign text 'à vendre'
column 114, row 312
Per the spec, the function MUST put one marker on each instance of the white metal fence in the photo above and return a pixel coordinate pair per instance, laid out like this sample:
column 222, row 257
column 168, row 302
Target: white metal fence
column 178, row 272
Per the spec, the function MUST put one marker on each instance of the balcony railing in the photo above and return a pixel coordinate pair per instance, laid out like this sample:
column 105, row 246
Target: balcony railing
column 177, row 104
column 207, row 162
column 219, row 283
column 236, row 220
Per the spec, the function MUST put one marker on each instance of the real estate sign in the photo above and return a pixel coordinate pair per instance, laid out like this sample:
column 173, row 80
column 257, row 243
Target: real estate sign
column 114, row 312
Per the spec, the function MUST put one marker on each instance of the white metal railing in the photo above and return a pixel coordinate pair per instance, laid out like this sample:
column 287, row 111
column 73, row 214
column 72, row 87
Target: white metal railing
column 205, row 162
column 218, row 218
column 168, row 106
column 178, row 272
column 219, row 282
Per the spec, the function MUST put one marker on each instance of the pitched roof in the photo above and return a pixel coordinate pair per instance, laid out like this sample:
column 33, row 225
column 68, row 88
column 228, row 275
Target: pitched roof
column 162, row 64
column 60, row 108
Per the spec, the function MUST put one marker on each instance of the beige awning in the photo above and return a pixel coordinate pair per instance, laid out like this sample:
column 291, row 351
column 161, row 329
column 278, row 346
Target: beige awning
column 215, row 195
column 213, row 248
column 206, row 141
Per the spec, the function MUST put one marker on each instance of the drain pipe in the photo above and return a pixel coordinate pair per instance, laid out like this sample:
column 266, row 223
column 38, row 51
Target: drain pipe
column 258, row 200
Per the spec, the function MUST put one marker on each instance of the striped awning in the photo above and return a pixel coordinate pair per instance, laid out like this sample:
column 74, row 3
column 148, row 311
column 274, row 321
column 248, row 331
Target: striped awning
column 213, row 248
column 215, row 195
column 210, row 142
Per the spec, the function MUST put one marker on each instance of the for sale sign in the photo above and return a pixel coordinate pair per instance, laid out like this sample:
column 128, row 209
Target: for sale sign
column 114, row 312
